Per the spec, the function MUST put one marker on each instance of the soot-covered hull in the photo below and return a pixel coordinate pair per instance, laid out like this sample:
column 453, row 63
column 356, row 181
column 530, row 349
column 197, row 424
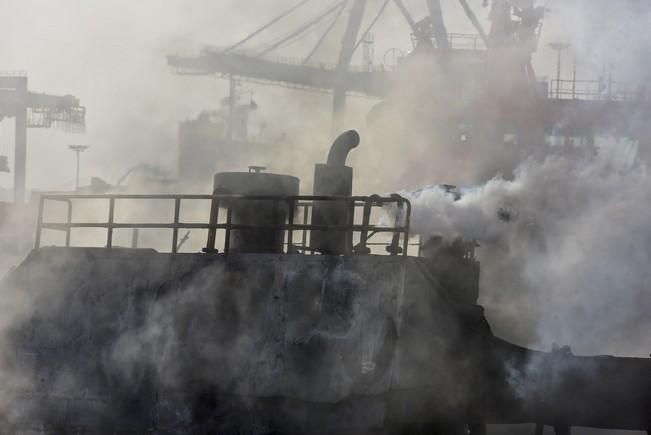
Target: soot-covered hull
column 135, row 339
column 116, row 341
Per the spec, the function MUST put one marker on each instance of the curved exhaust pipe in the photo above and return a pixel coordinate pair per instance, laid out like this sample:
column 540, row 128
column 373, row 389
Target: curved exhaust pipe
column 334, row 178
column 341, row 147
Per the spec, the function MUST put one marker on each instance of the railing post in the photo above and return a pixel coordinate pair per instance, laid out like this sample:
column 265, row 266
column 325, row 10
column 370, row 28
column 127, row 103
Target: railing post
column 135, row 235
column 212, row 231
column 175, row 230
column 361, row 248
column 407, row 227
column 109, row 233
column 351, row 223
column 39, row 222
column 290, row 227
column 69, row 228
column 394, row 248
column 305, row 221
column 227, row 240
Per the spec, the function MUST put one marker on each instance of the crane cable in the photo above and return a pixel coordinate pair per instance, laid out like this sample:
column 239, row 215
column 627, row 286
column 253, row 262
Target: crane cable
column 370, row 26
column 301, row 29
column 266, row 26
column 293, row 36
column 323, row 37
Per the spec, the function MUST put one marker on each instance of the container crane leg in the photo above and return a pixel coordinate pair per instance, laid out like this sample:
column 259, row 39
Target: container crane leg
column 440, row 31
column 20, row 155
column 345, row 56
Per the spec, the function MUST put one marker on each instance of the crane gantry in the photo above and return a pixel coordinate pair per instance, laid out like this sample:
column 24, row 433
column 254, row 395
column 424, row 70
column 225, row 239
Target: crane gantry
column 33, row 110
column 518, row 100
column 340, row 79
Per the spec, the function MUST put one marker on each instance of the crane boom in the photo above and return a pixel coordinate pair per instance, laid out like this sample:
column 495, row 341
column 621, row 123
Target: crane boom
column 293, row 75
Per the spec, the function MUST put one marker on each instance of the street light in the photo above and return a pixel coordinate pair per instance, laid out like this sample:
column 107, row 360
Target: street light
column 558, row 47
column 78, row 149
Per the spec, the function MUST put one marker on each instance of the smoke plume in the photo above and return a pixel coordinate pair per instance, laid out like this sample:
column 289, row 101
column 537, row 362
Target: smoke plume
column 564, row 247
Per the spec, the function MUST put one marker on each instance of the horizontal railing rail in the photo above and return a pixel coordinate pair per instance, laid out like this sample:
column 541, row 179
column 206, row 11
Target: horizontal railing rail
column 596, row 90
column 366, row 229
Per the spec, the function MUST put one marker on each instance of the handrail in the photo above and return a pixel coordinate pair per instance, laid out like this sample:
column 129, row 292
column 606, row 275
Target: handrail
column 595, row 90
column 400, row 229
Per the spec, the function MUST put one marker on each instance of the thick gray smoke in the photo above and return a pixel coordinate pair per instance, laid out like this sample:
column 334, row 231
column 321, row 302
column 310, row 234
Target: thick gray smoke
column 565, row 247
column 565, row 243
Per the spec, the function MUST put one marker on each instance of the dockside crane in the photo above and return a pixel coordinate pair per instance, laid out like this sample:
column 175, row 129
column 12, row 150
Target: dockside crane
column 508, row 44
column 34, row 110
column 341, row 79
column 338, row 80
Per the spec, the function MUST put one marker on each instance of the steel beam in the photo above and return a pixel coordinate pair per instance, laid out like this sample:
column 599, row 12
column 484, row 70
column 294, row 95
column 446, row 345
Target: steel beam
column 345, row 56
column 20, row 155
column 438, row 23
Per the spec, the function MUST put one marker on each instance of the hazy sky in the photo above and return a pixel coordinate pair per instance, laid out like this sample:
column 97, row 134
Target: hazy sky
column 111, row 54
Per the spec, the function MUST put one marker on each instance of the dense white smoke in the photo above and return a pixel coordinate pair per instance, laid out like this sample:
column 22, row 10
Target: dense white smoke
column 566, row 246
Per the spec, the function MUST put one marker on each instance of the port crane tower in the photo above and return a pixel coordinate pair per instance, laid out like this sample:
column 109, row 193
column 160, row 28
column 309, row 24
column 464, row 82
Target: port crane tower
column 33, row 110
column 559, row 107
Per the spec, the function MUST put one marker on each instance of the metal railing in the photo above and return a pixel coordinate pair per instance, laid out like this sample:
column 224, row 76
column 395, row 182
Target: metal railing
column 462, row 41
column 595, row 90
column 13, row 73
column 221, row 207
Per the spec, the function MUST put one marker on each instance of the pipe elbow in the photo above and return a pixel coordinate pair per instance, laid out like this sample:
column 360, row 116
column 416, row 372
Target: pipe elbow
column 341, row 147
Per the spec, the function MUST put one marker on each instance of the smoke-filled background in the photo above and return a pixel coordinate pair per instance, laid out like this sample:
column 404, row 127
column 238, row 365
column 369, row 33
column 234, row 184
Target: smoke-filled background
column 112, row 55
column 565, row 241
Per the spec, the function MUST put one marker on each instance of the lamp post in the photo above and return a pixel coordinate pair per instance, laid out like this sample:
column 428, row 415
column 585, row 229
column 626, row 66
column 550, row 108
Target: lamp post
column 558, row 47
column 78, row 149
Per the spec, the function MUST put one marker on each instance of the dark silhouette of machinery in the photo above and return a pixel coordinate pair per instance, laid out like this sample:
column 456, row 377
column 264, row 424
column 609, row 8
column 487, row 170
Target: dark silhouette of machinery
column 256, row 336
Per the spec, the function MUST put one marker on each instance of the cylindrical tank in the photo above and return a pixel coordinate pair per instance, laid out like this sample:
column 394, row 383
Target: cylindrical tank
column 257, row 213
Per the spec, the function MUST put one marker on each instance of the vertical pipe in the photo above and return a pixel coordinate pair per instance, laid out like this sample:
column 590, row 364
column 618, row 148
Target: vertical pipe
column 20, row 155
